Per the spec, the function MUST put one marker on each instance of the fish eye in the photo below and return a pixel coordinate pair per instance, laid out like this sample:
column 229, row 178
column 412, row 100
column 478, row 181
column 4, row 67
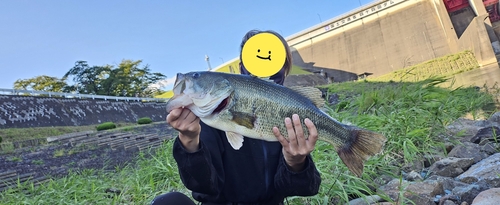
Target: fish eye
column 196, row 75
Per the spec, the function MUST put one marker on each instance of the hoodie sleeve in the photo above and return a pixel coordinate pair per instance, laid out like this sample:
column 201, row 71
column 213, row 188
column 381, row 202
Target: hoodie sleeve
column 201, row 171
column 304, row 183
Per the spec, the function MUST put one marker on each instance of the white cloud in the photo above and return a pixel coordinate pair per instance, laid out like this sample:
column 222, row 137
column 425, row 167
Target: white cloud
column 164, row 84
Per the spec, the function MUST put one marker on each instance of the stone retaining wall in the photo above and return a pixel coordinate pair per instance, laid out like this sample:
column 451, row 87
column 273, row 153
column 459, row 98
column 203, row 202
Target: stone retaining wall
column 29, row 111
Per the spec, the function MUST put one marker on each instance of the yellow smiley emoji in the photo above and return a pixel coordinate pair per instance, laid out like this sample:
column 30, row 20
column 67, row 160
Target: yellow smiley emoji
column 263, row 55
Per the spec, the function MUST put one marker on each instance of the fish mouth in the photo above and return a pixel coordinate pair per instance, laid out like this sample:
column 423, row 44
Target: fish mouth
column 223, row 104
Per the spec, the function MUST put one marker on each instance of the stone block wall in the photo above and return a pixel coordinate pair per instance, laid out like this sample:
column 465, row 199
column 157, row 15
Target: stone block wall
column 30, row 111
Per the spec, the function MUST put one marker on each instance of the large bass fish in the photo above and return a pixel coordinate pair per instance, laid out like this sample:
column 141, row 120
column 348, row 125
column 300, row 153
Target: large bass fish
column 247, row 106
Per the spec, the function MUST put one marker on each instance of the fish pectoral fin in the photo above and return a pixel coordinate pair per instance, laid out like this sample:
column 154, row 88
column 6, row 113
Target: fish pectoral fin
column 244, row 119
column 312, row 93
column 235, row 139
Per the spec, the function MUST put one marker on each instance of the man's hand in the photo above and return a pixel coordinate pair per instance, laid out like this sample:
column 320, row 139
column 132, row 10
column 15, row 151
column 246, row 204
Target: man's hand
column 188, row 125
column 296, row 147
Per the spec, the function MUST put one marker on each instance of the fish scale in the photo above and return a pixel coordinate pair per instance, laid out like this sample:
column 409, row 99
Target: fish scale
column 274, row 105
column 248, row 106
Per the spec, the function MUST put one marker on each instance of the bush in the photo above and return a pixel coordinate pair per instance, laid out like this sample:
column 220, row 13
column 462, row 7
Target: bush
column 144, row 120
column 106, row 126
column 1, row 139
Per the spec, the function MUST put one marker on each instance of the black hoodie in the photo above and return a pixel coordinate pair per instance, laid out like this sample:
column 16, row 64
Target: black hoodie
column 256, row 173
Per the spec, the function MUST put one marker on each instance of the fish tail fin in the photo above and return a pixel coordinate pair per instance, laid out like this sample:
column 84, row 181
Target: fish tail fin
column 363, row 145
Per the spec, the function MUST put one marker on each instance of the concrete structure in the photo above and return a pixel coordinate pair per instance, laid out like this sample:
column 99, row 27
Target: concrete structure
column 389, row 35
column 29, row 111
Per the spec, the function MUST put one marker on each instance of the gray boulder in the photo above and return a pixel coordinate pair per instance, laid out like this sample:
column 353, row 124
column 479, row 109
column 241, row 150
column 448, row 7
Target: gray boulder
column 468, row 150
column 451, row 166
column 486, row 171
column 487, row 197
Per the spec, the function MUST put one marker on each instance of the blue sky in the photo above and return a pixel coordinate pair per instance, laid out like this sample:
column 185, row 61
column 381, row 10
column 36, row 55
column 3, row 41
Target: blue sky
column 48, row 37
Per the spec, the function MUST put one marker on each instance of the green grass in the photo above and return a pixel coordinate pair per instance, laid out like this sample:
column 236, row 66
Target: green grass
column 412, row 115
column 19, row 134
column 297, row 70
column 445, row 66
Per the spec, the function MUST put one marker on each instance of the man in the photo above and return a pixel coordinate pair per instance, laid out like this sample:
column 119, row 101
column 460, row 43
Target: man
column 260, row 172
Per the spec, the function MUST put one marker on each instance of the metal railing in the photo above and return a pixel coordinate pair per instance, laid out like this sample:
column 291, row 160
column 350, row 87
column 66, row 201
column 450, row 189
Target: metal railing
column 6, row 91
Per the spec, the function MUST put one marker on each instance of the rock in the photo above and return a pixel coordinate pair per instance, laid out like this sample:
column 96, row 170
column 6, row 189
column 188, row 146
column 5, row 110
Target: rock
column 468, row 150
column 490, row 133
column 431, row 159
column 365, row 201
column 495, row 118
column 489, row 148
column 392, row 188
column 449, row 202
column 483, row 123
column 487, row 197
column 451, row 166
column 382, row 179
column 463, row 127
column 417, row 192
column 485, row 171
column 333, row 99
column 448, row 183
column 468, row 193
column 414, row 176
column 415, row 165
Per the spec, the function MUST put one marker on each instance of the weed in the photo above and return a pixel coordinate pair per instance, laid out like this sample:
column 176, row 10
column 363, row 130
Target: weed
column 144, row 120
column 59, row 153
column 38, row 162
column 412, row 115
column 14, row 159
column 106, row 126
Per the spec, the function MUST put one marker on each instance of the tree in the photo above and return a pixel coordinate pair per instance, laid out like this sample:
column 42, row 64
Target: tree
column 128, row 79
column 131, row 79
column 87, row 79
column 41, row 83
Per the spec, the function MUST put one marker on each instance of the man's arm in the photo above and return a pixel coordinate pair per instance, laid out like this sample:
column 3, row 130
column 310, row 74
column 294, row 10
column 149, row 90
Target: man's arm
column 303, row 183
column 197, row 151
column 297, row 175
column 199, row 170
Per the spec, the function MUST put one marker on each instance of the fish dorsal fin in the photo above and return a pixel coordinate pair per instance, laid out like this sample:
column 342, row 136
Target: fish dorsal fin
column 312, row 93
column 235, row 139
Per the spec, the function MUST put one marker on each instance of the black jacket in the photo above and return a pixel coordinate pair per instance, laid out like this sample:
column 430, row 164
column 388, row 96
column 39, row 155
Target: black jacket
column 256, row 173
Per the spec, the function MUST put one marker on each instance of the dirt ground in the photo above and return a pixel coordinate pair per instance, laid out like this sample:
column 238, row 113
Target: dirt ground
column 57, row 160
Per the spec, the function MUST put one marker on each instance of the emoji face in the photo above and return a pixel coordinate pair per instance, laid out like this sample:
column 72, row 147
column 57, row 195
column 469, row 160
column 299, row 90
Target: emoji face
column 263, row 55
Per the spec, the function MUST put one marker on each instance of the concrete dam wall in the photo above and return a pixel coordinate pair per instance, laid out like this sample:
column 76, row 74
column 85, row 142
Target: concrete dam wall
column 386, row 41
column 390, row 35
column 29, row 111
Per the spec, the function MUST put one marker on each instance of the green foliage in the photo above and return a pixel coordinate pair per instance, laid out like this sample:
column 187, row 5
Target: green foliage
column 19, row 134
column 106, row 126
column 41, row 83
column 14, row 159
column 445, row 66
column 144, row 120
column 412, row 115
column 38, row 162
column 154, row 173
column 59, row 153
column 128, row 79
column 87, row 79
column 1, row 139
